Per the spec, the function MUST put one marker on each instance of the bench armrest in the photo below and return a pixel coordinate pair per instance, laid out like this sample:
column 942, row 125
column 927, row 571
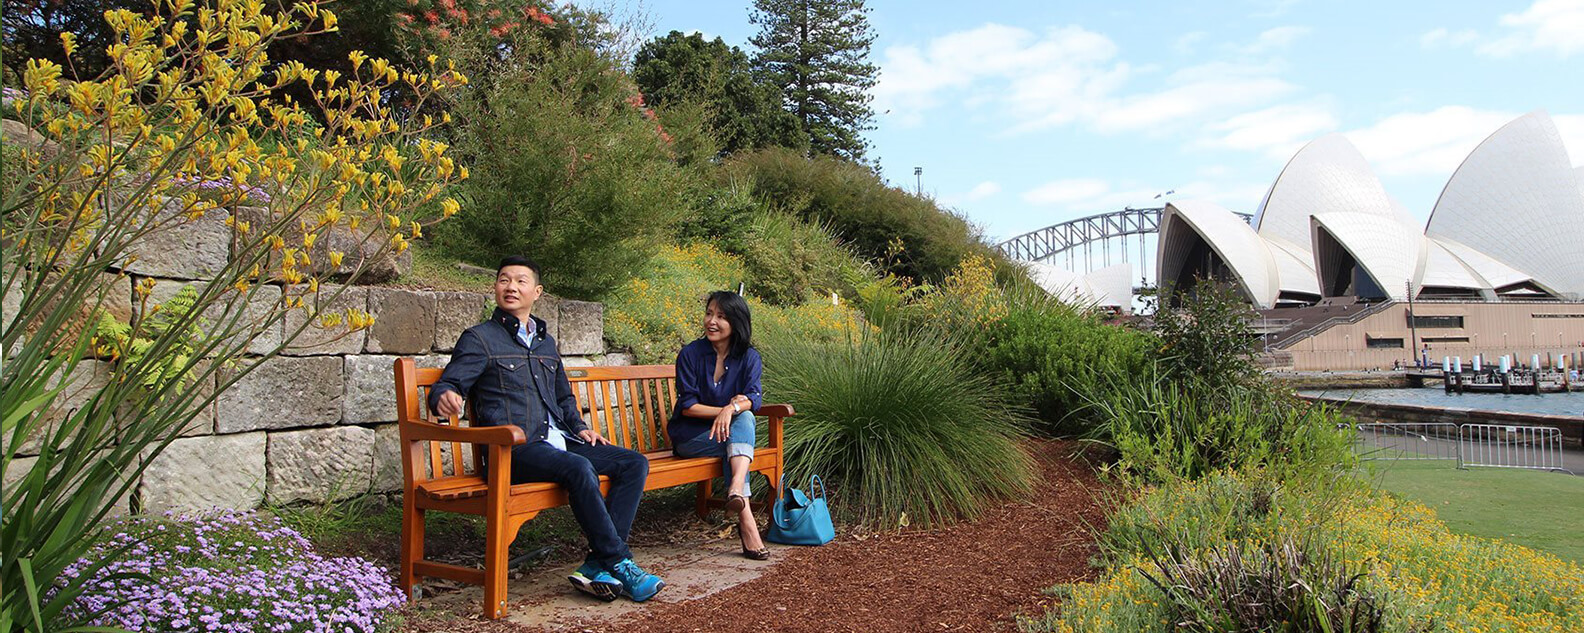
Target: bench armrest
column 506, row 434
column 776, row 411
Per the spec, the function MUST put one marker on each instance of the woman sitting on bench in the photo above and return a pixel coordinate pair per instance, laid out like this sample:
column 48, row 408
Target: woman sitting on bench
column 717, row 382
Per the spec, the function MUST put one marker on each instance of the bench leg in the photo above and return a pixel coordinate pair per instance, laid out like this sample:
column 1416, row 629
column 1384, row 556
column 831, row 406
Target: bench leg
column 497, row 540
column 772, row 478
column 412, row 546
column 701, row 505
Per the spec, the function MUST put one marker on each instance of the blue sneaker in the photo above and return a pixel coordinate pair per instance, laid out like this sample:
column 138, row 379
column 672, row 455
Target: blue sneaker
column 635, row 582
column 595, row 581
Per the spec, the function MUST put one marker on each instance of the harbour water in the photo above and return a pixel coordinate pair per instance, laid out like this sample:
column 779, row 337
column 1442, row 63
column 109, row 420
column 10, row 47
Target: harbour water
column 1570, row 404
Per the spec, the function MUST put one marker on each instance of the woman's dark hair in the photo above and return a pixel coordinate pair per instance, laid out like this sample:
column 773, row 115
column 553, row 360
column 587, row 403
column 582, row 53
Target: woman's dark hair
column 735, row 309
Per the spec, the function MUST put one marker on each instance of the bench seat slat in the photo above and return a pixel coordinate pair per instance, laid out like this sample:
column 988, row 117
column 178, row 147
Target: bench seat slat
column 660, row 463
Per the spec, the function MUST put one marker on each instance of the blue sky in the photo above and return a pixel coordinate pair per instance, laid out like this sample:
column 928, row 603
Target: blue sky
column 1026, row 113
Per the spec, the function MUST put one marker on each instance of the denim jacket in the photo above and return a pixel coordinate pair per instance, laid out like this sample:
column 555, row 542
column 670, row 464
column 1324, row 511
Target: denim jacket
column 509, row 383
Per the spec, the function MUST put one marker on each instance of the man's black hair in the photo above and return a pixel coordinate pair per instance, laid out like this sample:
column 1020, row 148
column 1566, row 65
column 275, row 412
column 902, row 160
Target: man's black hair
column 735, row 309
column 519, row 260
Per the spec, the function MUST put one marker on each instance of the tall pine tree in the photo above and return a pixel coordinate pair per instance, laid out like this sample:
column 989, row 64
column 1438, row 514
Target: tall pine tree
column 817, row 52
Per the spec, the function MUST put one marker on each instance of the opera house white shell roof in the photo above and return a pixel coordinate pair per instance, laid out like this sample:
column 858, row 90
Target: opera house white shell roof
column 1510, row 220
column 1109, row 287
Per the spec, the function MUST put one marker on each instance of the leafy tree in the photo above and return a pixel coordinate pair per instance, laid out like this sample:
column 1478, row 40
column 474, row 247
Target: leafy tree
column 568, row 168
column 744, row 112
column 817, row 53
column 33, row 27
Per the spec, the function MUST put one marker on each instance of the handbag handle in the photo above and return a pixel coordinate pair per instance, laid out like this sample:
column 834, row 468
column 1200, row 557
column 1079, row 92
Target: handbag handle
column 814, row 480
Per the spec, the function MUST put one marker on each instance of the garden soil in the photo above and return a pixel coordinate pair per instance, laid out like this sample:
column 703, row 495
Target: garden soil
column 974, row 576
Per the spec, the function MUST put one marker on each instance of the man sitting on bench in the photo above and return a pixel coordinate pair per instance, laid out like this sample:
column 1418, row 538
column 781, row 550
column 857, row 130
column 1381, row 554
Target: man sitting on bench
column 510, row 369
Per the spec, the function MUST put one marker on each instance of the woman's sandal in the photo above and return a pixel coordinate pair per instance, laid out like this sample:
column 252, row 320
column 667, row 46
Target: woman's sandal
column 735, row 502
column 762, row 553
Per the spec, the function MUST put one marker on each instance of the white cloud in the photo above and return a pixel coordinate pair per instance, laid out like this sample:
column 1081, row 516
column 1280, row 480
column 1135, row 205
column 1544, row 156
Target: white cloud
column 1067, row 192
column 1275, row 39
column 1277, row 131
column 1065, row 76
column 1187, row 42
column 1196, row 91
column 1547, row 25
column 1434, row 142
column 913, row 79
column 1442, row 37
column 979, row 192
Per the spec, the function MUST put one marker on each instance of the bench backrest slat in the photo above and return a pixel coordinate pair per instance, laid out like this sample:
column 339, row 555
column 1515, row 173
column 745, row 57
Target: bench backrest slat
column 628, row 405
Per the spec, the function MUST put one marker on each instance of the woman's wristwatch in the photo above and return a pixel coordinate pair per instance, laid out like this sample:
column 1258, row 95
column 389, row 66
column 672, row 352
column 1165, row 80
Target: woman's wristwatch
column 735, row 408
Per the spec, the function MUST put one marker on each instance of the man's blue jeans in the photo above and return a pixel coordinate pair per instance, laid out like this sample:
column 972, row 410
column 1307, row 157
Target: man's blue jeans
column 605, row 521
column 740, row 442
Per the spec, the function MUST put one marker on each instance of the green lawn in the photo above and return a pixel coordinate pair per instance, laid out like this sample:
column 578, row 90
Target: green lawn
column 1535, row 509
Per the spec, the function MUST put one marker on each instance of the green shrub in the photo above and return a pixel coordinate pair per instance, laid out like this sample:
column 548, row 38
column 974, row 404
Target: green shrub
column 1418, row 574
column 1167, row 430
column 1207, row 337
column 790, row 261
column 566, row 170
column 1058, row 358
column 658, row 311
column 905, row 234
column 903, row 428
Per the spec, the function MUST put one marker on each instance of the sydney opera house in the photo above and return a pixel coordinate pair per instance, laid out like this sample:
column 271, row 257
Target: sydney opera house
column 1333, row 263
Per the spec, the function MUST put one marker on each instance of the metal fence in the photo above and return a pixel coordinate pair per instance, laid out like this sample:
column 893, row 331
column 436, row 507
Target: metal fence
column 1409, row 441
column 1498, row 446
column 1468, row 445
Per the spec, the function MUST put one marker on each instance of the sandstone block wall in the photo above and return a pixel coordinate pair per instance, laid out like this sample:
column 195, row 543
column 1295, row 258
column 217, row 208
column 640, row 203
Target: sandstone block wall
column 317, row 422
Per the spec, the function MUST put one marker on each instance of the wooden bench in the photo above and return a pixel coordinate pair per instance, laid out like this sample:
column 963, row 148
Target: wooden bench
column 628, row 405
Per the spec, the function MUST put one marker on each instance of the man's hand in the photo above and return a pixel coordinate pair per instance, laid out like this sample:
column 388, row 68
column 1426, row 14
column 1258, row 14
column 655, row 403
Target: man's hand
column 450, row 404
column 592, row 436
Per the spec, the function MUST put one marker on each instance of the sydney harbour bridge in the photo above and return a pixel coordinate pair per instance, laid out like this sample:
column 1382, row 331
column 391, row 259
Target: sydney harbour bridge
column 1088, row 243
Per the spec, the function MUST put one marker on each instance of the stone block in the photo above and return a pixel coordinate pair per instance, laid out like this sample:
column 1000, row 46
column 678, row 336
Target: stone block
column 582, row 328
column 19, row 467
column 319, row 464
column 203, row 420
column 199, row 473
column 371, row 387
column 257, row 305
column 455, row 312
column 86, row 379
column 364, row 253
column 109, row 293
column 182, row 248
column 386, row 462
column 283, row 392
column 404, row 321
column 316, row 339
column 548, row 307
column 616, row 359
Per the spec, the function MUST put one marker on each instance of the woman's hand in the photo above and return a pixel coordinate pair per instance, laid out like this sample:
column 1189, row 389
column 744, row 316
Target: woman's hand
column 720, row 428
column 742, row 402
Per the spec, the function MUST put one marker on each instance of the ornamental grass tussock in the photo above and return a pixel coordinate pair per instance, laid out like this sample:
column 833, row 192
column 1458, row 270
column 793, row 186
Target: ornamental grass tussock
column 228, row 571
column 1393, row 554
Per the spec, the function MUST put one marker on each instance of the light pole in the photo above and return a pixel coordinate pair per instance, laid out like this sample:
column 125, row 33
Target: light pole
column 1413, row 328
column 918, row 176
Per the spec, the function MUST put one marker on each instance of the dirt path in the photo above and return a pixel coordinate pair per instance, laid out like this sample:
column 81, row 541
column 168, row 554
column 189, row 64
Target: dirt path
column 971, row 577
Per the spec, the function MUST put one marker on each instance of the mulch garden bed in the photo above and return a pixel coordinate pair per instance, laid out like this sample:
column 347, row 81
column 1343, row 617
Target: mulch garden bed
column 975, row 576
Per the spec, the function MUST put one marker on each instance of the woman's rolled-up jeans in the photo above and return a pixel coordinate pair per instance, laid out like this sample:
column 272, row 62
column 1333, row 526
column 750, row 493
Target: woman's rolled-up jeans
column 739, row 442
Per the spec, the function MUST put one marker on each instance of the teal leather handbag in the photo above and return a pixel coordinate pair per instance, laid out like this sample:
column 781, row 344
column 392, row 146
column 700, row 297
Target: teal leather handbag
column 798, row 519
